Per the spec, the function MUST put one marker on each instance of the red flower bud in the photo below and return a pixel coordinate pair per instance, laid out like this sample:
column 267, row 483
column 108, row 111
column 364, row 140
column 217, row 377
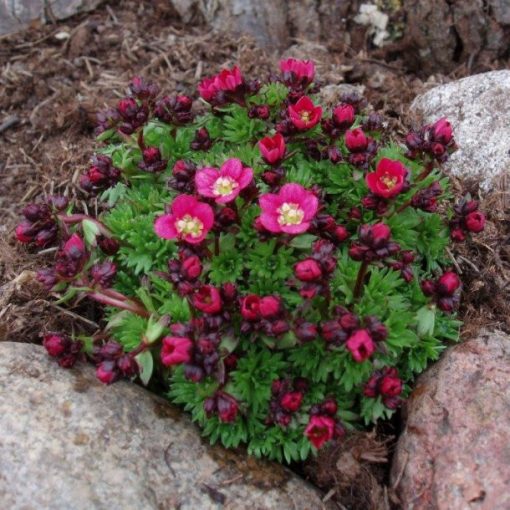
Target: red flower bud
column 250, row 307
column 349, row 321
column 207, row 299
column 106, row 372
column 56, row 344
column 428, row 287
column 104, row 273
column 270, row 307
column 127, row 366
column 306, row 331
column 227, row 407
column 191, row 268
column 340, row 233
column 390, row 386
column 457, row 235
column 329, row 407
column 442, row 131
column 475, row 221
column 193, row 373
column 279, row 327
column 108, row 245
column 24, row 232
column 291, row 401
column 209, row 406
column 356, row 140
column 344, row 116
column 308, row 270
column 229, row 292
column 448, row 283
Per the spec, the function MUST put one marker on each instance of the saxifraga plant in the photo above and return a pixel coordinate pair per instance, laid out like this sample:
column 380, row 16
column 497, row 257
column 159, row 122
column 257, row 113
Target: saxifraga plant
column 282, row 268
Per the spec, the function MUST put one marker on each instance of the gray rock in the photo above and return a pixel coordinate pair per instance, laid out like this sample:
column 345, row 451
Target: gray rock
column 454, row 453
column 478, row 108
column 69, row 442
column 18, row 14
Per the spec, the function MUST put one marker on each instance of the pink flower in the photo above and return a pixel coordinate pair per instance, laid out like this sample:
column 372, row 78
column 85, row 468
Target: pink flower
column 360, row 345
column 229, row 79
column 272, row 148
column 320, row 430
column 290, row 211
column 176, row 350
column 304, row 114
column 297, row 71
column 389, row 178
column 189, row 220
column 224, row 184
column 291, row 401
column 207, row 89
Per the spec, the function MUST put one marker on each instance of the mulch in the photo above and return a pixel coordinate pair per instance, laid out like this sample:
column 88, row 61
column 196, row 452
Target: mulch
column 54, row 78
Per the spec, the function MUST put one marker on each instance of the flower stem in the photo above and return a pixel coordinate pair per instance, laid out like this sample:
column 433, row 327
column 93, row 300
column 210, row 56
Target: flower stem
column 131, row 306
column 358, row 288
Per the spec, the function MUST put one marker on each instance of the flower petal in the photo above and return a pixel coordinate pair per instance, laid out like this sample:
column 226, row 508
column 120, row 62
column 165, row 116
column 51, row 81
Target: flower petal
column 183, row 204
column 164, row 226
column 270, row 222
column 310, row 205
column 205, row 214
column 232, row 168
column 295, row 229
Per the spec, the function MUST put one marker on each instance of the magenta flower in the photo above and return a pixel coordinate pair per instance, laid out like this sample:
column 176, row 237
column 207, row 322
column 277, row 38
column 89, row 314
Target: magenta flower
column 189, row 220
column 304, row 114
column 176, row 350
column 224, row 184
column 297, row 71
column 207, row 89
column 360, row 345
column 229, row 79
column 290, row 211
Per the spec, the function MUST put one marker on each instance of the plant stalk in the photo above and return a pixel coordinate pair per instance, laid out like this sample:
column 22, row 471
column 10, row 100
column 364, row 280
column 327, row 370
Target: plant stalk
column 358, row 288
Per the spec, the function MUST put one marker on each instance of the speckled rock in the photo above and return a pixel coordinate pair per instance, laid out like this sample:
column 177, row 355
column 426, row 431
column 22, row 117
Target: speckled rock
column 478, row 108
column 454, row 453
column 68, row 442
column 18, row 14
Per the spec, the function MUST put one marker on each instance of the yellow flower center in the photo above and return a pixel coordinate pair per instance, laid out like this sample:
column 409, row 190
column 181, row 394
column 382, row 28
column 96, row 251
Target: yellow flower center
column 305, row 116
column 290, row 214
column 189, row 225
column 224, row 186
column 389, row 182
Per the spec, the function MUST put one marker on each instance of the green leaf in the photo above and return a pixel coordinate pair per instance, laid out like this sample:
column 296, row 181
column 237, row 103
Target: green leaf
column 146, row 365
column 90, row 231
column 303, row 242
column 426, row 318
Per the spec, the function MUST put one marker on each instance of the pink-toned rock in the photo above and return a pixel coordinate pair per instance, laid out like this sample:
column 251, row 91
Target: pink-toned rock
column 454, row 453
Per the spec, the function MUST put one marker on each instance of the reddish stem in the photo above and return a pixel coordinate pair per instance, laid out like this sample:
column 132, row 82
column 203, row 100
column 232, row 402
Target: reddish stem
column 117, row 303
column 358, row 287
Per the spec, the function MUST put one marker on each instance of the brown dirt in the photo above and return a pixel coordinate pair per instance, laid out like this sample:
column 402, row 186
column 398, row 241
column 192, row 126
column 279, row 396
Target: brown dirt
column 50, row 88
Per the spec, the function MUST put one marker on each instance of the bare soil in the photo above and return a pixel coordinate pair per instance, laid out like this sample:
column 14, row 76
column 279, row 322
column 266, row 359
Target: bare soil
column 52, row 80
